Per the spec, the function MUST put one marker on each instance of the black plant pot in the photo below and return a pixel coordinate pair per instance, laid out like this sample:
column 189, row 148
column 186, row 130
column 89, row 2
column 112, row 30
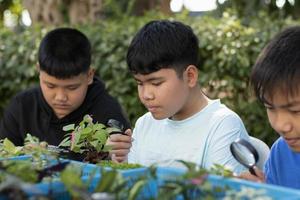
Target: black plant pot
column 91, row 157
column 72, row 156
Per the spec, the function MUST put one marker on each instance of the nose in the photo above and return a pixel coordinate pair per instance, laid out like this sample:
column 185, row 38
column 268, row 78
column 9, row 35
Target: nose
column 61, row 96
column 146, row 93
column 282, row 123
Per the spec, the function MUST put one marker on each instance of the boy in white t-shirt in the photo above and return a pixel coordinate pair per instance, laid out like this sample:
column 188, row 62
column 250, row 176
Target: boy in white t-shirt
column 182, row 123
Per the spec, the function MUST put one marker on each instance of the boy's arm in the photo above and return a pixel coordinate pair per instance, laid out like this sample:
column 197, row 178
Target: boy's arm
column 218, row 152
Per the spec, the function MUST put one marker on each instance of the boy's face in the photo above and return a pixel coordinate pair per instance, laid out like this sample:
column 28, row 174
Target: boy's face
column 65, row 95
column 164, row 94
column 284, row 117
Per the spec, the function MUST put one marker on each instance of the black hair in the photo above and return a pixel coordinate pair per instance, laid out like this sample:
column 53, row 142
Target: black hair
column 278, row 66
column 64, row 53
column 163, row 44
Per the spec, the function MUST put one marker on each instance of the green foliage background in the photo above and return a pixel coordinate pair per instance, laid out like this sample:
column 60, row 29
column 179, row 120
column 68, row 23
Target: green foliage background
column 228, row 51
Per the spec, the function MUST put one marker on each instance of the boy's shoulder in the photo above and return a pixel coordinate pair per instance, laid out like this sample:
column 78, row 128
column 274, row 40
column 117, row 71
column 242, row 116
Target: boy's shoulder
column 99, row 98
column 217, row 112
column 218, row 108
column 147, row 117
column 24, row 101
column 281, row 150
column 280, row 146
column 28, row 96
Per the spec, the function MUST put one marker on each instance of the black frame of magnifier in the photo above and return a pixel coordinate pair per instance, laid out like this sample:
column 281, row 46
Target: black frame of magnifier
column 249, row 146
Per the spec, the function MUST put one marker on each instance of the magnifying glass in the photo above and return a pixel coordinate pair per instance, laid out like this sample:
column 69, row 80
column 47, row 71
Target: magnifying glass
column 245, row 153
column 118, row 126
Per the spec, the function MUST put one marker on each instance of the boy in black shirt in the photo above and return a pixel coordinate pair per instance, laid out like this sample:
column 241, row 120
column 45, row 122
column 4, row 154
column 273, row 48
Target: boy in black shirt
column 68, row 90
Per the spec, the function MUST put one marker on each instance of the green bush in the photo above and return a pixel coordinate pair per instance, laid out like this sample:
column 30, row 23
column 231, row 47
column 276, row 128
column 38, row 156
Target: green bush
column 17, row 61
column 228, row 50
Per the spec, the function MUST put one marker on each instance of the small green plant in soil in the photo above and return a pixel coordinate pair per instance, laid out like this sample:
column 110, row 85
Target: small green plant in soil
column 17, row 168
column 190, row 185
column 71, row 177
column 88, row 138
column 8, row 149
column 22, row 175
column 111, row 183
column 36, row 171
column 194, row 185
column 32, row 146
column 37, row 166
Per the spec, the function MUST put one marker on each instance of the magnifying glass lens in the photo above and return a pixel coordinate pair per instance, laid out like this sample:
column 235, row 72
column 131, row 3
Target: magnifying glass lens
column 243, row 154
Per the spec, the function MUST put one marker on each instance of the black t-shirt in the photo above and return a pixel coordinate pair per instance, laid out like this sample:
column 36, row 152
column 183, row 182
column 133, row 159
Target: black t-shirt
column 28, row 112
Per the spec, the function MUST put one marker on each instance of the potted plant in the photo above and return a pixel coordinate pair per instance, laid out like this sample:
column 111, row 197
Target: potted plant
column 32, row 147
column 110, row 185
column 88, row 139
column 20, row 177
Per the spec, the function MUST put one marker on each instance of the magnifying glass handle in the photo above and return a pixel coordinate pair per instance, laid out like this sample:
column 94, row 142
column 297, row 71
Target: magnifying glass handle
column 252, row 171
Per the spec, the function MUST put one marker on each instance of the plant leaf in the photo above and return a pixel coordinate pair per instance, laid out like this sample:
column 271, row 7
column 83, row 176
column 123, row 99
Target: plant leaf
column 98, row 126
column 72, row 180
column 107, row 180
column 101, row 136
column 135, row 190
column 65, row 143
column 86, row 132
column 69, row 127
column 9, row 146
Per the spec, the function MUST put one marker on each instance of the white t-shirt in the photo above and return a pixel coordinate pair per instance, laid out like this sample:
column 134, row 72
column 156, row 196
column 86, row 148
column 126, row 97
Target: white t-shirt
column 203, row 138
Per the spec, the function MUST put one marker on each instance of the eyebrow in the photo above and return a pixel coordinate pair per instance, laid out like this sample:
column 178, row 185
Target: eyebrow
column 291, row 104
column 150, row 79
column 71, row 85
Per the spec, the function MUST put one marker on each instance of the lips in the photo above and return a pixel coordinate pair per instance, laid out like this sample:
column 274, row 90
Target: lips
column 152, row 108
column 292, row 141
column 61, row 106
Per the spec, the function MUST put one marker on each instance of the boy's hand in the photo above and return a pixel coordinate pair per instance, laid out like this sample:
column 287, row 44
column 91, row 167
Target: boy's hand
column 248, row 176
column 121, row 144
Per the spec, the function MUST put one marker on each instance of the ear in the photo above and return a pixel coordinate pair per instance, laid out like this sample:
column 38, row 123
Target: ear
column 91, row 74
column 191, row 74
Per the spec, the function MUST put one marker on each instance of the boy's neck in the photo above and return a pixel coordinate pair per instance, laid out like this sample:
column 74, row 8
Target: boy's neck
column 196, row 103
